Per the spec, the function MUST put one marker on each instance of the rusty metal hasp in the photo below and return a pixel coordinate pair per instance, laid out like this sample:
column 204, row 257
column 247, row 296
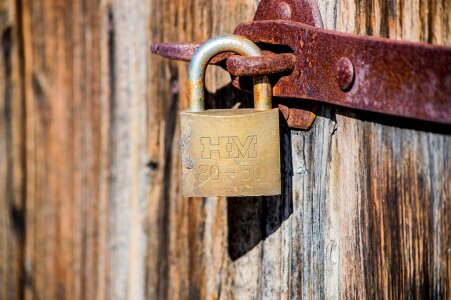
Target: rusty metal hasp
column 397, row 78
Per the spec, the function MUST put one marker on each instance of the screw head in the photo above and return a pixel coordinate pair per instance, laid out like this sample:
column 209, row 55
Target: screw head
column 283, row 10
column 345, row 73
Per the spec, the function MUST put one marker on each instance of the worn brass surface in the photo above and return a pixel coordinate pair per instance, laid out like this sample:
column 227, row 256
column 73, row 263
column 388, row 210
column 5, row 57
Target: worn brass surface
column 230, row 152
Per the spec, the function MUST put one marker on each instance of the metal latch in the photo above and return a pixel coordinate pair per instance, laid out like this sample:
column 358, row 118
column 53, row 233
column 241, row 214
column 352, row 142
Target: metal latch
column 381, row 75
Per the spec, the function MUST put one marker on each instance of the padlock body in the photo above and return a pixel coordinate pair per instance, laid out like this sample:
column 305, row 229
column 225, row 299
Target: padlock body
column 230, row 152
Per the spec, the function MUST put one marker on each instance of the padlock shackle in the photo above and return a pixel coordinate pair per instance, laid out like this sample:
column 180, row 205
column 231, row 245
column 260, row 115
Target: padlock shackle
column 209, row 49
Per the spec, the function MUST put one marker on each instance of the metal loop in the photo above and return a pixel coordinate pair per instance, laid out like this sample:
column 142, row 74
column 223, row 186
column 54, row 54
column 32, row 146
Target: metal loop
column 212, row 47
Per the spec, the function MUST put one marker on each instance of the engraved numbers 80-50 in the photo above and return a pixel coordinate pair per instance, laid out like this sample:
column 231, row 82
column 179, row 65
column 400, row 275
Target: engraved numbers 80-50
column 243, row 172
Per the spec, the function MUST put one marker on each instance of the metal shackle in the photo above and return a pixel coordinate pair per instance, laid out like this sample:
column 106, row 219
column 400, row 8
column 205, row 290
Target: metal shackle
column 212, row 47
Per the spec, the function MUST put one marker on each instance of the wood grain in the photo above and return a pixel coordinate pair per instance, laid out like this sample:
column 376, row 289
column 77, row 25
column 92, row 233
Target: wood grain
column 90, row 167
column 12, row 180
column 67, row 97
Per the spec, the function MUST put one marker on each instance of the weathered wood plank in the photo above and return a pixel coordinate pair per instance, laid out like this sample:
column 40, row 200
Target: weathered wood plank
column 384, row 192
column 67, row 96
column 129, row 182
column 12, row 210
column 86, row 87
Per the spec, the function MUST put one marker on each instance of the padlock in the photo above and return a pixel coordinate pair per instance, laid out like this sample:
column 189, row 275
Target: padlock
column 229, row 152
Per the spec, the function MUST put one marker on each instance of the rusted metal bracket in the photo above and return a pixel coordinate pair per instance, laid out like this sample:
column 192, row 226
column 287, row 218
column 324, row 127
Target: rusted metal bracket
column 398, row 78
column 269, row 63
column 404, row 79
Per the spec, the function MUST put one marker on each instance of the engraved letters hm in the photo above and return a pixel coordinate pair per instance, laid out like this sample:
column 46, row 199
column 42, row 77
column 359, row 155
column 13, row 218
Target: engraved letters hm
column 229, row 147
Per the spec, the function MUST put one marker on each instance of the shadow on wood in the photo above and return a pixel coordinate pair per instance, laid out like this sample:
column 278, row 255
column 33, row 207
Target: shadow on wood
column 253, row 219
column 368, row 116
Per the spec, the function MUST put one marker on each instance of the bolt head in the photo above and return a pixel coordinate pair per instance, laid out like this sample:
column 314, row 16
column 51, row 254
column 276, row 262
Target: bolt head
column 283, row 11
column 345, row 73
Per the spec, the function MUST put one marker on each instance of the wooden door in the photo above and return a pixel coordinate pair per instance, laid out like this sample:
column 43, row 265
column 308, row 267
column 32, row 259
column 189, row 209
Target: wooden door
column 90, row 204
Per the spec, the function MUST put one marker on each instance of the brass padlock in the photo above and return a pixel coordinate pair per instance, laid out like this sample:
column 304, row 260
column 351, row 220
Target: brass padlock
column 229, row 152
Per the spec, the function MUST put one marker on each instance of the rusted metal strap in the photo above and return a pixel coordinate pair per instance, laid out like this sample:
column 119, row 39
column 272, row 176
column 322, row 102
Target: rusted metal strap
column 373, row 74
column 392, row 77
column 183, row 52
column 236, row 65
column 257, row 65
